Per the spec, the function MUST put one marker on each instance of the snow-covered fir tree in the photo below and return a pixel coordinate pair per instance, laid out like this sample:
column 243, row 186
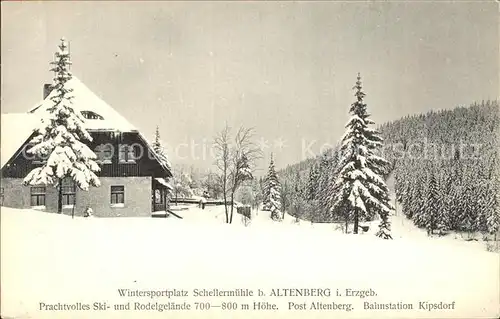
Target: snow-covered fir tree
column 417, row 210
column 362, row 188
column 60, row 136
column 467, row 194
column 328, row 171
column 274, row 192
column 286, row 195
column 297, row 200
column 313, row 183
column 431, row 204
column 244, row 169
column 341, row 211
column 264, row 192
column 493, row 207
column 444, row 200
column 468, row 215
column 466, row 182
column 493, row 220
column 160, row 150
column 325, row 173
column 256, row 190
column 484, row 205
column 266, row 205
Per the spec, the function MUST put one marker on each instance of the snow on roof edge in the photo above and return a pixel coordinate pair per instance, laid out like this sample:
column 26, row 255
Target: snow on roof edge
column 16, row 129
column 86, row 100
column 150, row 147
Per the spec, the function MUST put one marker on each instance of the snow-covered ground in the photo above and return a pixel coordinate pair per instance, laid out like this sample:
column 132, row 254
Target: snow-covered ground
column 49, row 258
column 402, row 228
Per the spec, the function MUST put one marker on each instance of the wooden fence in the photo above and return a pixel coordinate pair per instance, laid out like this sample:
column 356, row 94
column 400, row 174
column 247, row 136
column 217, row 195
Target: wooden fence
column 173, row 201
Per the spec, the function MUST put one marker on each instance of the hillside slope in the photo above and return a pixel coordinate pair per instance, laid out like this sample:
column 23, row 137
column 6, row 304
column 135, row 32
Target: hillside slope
column 454, row 150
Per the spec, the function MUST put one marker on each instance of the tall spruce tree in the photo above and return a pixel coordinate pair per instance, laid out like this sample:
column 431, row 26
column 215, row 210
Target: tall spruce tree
column 266, row 205
column 262, row 188
column 417, row 203
column 468, row 215
column 327, row 166
column 324, row 172
column 493, row 217
column 493, row 206
column 362, row 189
column 431, row 204
column 297, row 200
column 274, row 192
column 444, row 200
column 339, row 211
column 312, row 183
column 160, row 150
column 61, row 135
column 491, row 197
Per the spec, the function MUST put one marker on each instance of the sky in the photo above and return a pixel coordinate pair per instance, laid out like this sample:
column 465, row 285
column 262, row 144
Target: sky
column 284, row 68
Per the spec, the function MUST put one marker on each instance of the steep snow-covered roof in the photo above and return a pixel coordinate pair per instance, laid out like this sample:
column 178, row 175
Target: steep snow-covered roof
column 16, row 128
column 86, row 101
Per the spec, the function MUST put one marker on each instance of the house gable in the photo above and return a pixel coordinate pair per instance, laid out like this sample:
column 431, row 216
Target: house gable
column 86, row 102
column 105, row 125
column 16, row 129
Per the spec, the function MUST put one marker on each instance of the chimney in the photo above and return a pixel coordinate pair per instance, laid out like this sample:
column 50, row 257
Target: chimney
column 47, row 88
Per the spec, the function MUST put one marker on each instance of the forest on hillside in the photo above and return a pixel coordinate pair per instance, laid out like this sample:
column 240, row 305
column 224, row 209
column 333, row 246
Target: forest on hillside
column 444, row 165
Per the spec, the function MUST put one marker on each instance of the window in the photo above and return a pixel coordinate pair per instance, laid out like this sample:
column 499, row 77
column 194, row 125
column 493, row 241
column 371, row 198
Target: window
column 38, row 196
column 127, row 154
column 68, row 192
column 104, row 153
column 117, row 195
column 159, row 198
column 89, row 115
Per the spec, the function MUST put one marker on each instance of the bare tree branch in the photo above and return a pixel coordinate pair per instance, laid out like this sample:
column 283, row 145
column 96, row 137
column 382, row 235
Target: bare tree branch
column 235, row 162
column 222, row 161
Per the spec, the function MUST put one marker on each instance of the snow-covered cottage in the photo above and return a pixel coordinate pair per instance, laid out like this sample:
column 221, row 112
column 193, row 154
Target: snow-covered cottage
column 134, row 181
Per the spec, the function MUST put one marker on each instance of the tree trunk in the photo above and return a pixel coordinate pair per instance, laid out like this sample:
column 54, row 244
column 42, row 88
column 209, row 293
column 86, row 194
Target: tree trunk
column 225, row 208
column 356, row 221
column 59, row 199
column 224, row 190
column 346, row 224
column 73, row 208
column 232, row 207
column 165, row 199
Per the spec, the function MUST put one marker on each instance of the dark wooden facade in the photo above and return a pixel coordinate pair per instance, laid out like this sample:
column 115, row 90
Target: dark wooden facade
column 143, row 163
column 110, row 148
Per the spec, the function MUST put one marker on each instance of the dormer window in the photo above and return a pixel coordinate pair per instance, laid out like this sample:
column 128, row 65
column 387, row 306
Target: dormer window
column 104, row 153
column 89, row 115
column 126, row 154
